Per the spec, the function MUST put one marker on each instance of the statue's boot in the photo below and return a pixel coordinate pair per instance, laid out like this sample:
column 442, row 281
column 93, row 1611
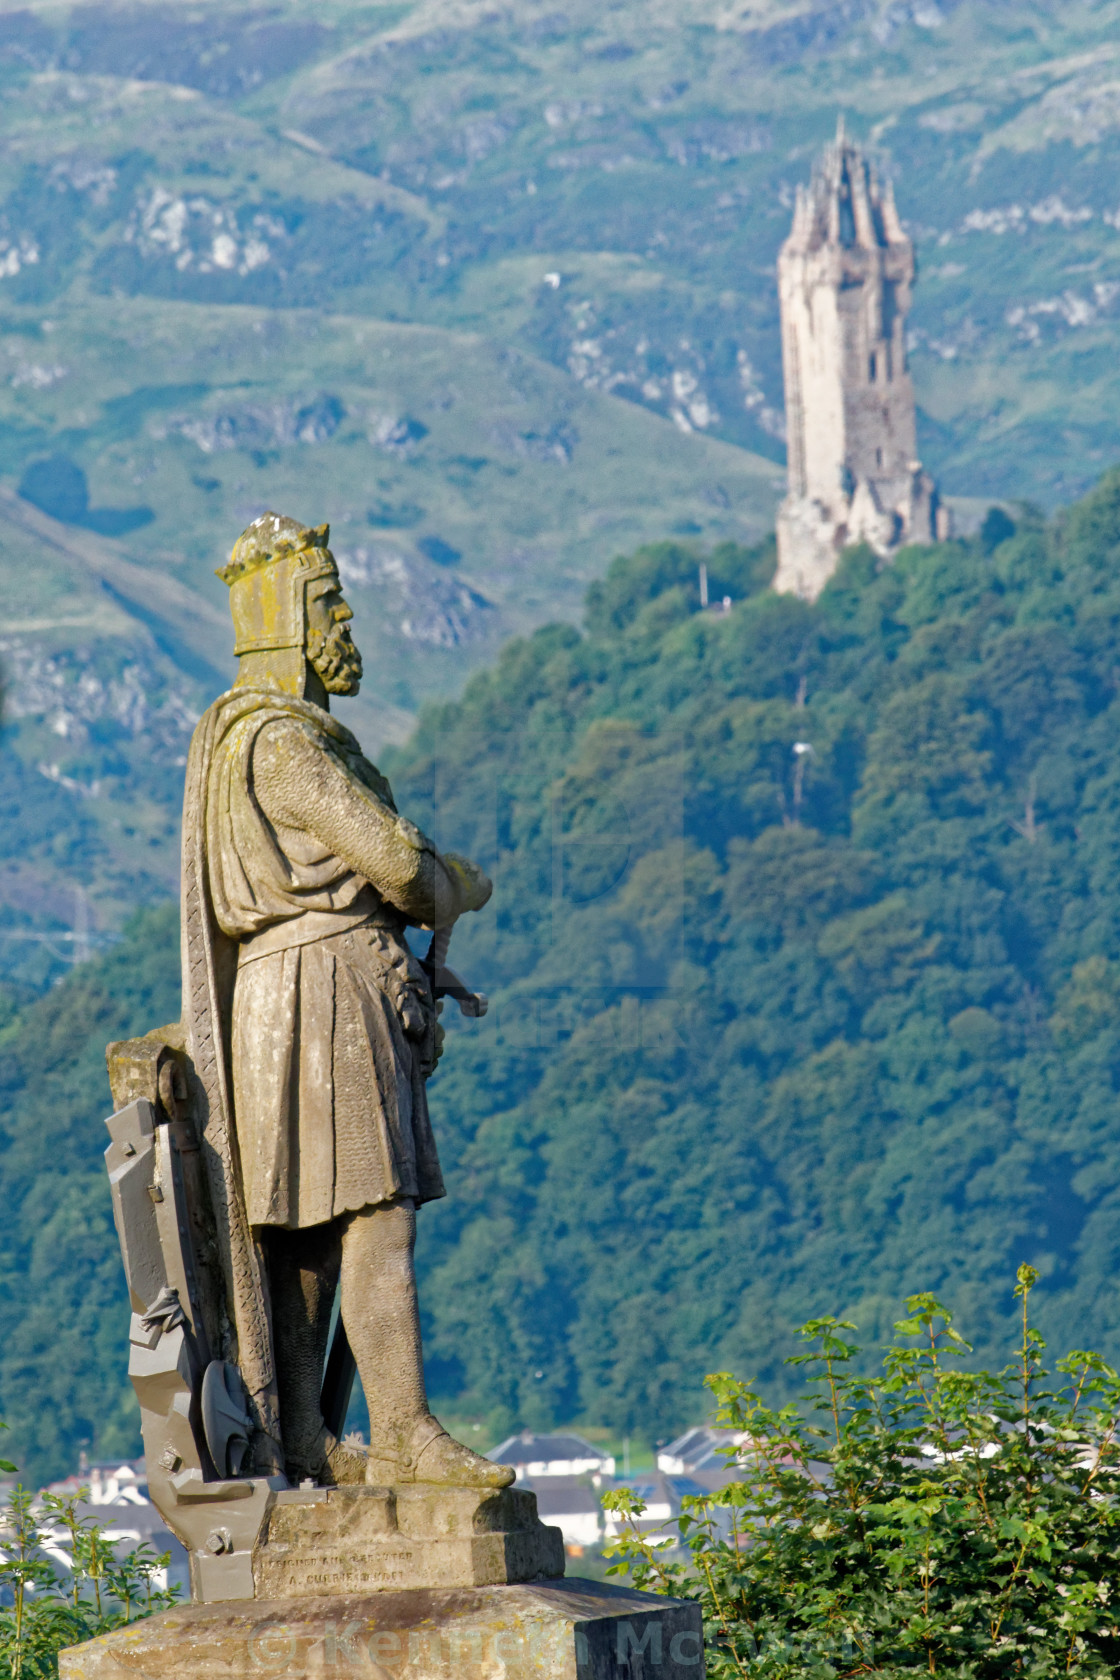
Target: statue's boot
column 327, row 1462
column 432, row 1455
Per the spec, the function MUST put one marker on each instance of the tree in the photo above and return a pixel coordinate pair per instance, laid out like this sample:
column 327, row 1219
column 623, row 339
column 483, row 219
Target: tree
column 42, row 1611
column 932, row 1520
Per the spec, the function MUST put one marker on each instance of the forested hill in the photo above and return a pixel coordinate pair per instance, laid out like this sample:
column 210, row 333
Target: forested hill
column 806, row 977
column 843, row 1023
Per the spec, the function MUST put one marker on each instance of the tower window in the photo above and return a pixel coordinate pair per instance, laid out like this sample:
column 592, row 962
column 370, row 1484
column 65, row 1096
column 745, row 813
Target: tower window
column 871, row 368
column 878, row 457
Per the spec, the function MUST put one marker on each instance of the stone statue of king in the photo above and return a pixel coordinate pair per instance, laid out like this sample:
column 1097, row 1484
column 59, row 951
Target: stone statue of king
column 312, row 1027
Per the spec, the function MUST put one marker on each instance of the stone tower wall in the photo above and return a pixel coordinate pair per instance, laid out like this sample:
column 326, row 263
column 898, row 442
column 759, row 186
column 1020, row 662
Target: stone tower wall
column 844, row 281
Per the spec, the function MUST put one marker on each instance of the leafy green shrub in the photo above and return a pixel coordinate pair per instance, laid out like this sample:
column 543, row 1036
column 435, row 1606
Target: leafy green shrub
column 942, row 1521
column 42, row 1610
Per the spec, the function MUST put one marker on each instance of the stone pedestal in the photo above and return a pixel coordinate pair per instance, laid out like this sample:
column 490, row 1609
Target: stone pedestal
column 546, row 1630
column 280, row 1543
column 319, row 1541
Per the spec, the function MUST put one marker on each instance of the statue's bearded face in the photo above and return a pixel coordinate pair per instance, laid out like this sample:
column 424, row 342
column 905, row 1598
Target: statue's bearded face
column 330, row 649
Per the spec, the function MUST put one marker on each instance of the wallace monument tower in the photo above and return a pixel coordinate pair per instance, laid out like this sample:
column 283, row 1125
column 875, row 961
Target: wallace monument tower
column 844, row 280
column 269, row 1154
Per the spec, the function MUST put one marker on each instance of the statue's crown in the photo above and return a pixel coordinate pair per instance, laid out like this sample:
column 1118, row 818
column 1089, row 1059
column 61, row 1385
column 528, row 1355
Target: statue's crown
column 271, row 537
column 273, row 561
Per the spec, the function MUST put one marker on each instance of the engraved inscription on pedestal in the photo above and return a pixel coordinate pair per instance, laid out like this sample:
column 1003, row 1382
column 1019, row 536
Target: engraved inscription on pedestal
column 319, row 1541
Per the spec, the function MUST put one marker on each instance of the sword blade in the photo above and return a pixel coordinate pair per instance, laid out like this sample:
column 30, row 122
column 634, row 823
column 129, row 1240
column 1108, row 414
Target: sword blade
column 338, row 1381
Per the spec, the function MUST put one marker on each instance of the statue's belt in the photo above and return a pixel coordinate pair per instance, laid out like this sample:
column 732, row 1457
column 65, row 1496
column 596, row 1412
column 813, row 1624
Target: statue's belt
column 307, row 928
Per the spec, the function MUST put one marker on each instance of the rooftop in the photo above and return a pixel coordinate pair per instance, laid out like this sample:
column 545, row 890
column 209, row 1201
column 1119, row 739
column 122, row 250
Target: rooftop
column 551, row 1455
column 699, row 1449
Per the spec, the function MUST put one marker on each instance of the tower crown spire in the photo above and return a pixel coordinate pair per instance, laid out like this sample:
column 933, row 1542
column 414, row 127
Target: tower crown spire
column 847, row 206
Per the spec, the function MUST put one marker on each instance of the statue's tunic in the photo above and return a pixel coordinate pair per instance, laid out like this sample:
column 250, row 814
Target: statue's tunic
column 315, row 876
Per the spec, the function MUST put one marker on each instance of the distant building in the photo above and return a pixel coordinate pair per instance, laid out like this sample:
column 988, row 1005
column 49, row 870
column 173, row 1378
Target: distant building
column 662, row 1496
column 571, row 1504
column 534, row 1456
column 118, row 1499
column 116, row 1481
column 844, row 280
column 701, row 1454
column 565, row 1472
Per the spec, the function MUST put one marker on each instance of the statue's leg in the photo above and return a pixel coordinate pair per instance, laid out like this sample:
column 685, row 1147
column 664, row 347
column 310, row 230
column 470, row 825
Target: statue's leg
column 382, row 1319
column 303, row 1268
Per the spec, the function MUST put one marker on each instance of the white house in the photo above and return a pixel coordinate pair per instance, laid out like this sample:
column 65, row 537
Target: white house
column 534, row 1456
column 702, row 1453
column 661, row 1495
column 118, row 1498
column 571, row 1504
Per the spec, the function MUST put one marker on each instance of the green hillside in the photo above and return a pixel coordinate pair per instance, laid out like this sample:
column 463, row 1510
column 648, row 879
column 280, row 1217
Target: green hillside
column 492, row 288
column 111, row 651
column 803, row 958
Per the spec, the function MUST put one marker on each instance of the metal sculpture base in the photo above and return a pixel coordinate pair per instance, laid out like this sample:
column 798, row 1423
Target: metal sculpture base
column 550, row 1630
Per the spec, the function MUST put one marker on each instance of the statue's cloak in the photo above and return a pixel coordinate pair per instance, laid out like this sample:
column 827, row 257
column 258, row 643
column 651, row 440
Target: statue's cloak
column 209, row 970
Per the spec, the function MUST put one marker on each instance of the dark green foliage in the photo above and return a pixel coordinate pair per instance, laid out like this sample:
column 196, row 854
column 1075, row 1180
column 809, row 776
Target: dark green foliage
column 633, row 581
column 932, row 1520
column 63, row 1304
column 803, row 963
column 773, row 1026
column 997, row 527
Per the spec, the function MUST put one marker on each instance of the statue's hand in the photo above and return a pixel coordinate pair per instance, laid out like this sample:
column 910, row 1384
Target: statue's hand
column 474, row 886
